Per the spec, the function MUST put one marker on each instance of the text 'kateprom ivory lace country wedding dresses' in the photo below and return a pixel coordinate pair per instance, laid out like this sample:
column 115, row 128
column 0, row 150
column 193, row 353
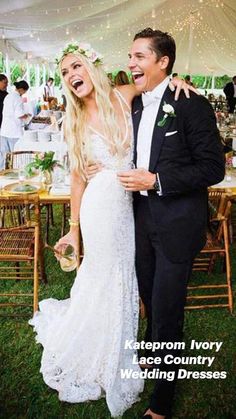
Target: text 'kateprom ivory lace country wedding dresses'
column 84, row 336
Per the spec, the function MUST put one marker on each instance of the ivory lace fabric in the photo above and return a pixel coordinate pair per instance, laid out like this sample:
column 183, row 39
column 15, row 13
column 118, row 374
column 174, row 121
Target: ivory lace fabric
column 84, row 336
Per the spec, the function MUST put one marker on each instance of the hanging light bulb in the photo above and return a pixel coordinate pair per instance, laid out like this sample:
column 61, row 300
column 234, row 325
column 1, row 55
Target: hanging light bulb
column 153, row 13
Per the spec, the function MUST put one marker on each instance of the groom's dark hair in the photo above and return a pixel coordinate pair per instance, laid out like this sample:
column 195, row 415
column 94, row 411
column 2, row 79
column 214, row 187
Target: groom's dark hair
column 162, row 44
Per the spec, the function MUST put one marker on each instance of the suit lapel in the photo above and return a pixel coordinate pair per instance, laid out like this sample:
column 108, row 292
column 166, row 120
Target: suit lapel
column 137, row 107
column 159, row 132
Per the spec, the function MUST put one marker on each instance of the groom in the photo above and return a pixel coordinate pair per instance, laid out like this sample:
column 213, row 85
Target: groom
column 178, row 155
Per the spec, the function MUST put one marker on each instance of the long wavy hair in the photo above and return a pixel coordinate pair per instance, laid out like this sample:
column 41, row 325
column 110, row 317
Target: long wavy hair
column 76, row 129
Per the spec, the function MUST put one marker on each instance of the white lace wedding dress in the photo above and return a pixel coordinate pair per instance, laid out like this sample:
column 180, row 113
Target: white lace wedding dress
column 84, row 336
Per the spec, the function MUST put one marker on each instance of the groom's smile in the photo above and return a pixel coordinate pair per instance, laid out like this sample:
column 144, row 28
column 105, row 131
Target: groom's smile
column 148, row 70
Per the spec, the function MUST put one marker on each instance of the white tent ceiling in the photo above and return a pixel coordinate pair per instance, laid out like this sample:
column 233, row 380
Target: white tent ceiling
column 204, row 30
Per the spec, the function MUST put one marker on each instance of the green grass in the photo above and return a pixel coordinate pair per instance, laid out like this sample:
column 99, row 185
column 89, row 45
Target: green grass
column 23, row 393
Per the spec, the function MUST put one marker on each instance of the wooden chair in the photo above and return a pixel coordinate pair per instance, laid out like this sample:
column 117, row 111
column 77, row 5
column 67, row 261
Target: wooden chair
column 21, row 251
column 19, row 159
column 218, row 294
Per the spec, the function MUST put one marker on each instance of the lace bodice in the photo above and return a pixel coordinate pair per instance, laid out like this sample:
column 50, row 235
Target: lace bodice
column 100, row 149
column 101, row 153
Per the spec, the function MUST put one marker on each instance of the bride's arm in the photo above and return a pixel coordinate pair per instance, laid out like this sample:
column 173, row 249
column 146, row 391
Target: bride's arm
column 129, row 91
column 78, row 186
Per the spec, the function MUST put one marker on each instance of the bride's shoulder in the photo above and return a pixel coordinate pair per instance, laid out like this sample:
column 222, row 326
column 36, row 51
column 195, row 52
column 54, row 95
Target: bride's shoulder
column 128, row 91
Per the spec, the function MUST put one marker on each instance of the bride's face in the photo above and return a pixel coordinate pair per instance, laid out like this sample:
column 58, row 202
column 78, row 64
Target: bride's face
column 76, row 76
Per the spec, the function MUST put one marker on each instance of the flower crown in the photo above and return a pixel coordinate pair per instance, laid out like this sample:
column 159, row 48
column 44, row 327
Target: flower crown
column 84, row 49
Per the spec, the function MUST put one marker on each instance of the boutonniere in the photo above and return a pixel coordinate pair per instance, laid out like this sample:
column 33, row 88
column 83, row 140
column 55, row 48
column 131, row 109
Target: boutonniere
column 169, row 111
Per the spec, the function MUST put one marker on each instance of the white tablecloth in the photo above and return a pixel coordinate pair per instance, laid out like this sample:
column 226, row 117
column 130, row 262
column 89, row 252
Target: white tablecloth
column 60, row 148
column 228, row 182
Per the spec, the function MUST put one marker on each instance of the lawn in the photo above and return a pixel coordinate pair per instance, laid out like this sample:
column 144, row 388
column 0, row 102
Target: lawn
column 23, row 394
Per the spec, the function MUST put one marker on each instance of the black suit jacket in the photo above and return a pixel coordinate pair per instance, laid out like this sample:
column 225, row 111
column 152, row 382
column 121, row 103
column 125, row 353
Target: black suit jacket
column 229, row 90
column 188, row 160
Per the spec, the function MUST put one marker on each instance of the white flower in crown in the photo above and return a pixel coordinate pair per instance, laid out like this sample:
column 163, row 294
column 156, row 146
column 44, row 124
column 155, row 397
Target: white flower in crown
column 84, row 49
column 169, row 111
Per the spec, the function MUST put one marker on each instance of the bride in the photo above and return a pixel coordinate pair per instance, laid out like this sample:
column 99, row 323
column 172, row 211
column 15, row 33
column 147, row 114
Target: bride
column 84, row 336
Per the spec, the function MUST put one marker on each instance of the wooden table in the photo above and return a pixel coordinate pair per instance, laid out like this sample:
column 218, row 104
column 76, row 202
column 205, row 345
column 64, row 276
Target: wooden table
column 229, row 186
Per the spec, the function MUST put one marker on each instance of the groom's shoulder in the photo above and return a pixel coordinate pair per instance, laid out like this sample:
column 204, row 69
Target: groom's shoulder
column 195, row 101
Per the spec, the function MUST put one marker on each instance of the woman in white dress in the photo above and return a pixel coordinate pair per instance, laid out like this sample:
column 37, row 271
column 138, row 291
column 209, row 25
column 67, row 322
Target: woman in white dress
column 84, row 336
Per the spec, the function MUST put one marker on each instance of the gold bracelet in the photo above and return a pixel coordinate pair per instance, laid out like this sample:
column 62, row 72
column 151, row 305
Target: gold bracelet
column 73, row 223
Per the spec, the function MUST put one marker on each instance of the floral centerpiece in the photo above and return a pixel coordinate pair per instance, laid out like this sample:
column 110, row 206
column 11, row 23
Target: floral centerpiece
column 45, row 163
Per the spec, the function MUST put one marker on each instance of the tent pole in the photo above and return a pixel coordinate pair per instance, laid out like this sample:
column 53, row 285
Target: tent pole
column 7, row 66
column 190, row 44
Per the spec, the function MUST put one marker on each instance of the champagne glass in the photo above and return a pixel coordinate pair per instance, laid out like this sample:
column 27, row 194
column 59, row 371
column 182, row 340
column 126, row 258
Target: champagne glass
column 21, row 176
column 68, row 259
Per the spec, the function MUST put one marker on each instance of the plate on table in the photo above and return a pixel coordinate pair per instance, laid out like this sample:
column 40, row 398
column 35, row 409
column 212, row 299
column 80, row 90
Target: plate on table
column 25, row 188
column 9, row 174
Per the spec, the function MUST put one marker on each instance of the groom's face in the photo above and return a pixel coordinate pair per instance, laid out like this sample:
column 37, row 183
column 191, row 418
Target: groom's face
column 147, row 69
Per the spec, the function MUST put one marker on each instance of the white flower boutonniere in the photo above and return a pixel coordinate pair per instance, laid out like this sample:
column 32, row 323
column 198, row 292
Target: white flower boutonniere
column 169, row 111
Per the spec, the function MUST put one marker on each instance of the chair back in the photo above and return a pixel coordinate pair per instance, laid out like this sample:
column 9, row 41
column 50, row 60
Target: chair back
column 19, row 159
column 19, row 211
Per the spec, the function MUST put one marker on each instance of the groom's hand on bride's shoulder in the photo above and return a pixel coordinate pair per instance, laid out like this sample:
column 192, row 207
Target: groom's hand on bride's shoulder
column 92, row 169
column 176, row 85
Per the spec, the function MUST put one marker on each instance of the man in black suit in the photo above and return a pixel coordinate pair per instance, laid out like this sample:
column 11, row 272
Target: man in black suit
column 230, row 93
column 178, row 155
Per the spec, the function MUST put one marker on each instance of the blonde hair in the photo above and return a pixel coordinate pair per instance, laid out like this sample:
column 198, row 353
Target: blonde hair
column 76, row 128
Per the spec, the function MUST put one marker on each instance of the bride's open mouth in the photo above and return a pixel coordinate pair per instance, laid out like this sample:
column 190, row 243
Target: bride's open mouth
column 76, row 84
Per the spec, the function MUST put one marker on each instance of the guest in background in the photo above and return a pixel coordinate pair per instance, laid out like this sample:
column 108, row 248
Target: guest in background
column 121, row 78
column 3, row 93
column 230, row 93
column 12, row 119
column 48, row 90
column 109, row 75
column 187, row 80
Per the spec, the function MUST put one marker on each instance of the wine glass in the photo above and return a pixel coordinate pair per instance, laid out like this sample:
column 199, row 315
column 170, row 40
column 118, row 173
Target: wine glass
column 68, row 259
column 21, row 176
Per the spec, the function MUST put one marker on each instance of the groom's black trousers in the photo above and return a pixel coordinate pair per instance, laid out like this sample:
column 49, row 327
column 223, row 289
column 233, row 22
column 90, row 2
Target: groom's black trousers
column 162, row 287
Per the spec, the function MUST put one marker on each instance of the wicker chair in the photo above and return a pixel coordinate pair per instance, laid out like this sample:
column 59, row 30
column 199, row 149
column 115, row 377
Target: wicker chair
column 21, row 250
column 218, row 294
column 19, row 159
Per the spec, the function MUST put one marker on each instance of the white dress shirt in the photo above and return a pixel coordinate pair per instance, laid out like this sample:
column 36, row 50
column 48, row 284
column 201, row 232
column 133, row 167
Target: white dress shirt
column 234, row 90
column 12, row 125
column 147, row 122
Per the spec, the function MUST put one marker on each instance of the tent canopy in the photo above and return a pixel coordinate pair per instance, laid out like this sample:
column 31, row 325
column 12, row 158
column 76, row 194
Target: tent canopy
column 204, row 30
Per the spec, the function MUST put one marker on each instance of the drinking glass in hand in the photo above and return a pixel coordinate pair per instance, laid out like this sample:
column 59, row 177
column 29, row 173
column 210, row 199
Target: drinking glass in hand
column 68, row 259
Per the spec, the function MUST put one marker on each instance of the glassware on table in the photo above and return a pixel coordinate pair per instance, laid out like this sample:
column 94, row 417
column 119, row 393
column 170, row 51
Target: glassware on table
column 21, row 176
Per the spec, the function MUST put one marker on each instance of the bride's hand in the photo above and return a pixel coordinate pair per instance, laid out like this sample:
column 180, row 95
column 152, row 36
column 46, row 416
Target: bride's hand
column 180, row 84
column 92, row 169
column 71, row 238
